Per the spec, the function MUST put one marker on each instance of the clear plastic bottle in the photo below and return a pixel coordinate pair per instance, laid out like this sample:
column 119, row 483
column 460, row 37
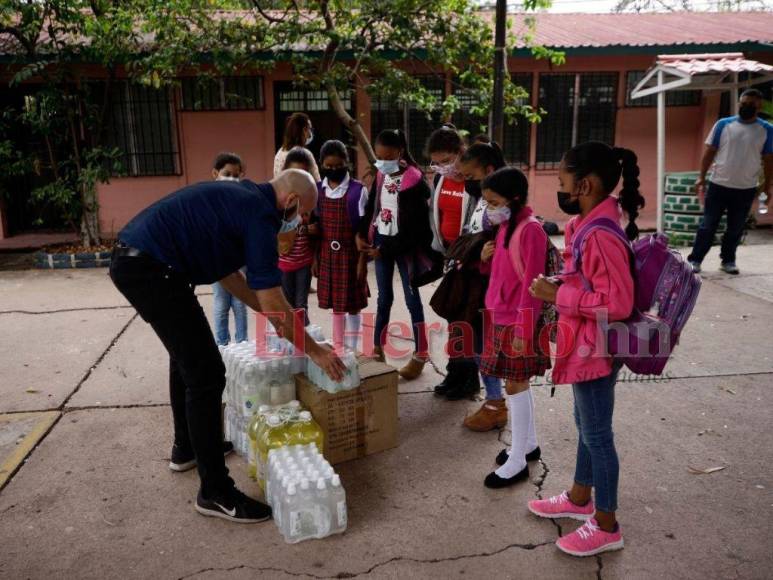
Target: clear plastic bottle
column 273, row 436
column 337, row 498
column 762, row 203
column 322, row 509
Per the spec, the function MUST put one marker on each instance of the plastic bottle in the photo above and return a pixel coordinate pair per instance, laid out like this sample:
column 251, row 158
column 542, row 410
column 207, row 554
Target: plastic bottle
column 762, row 201
column 337, row 498
column 273, row 436
column 252, row 434
column 290, row 524
column 322, row 509
column 306, row 430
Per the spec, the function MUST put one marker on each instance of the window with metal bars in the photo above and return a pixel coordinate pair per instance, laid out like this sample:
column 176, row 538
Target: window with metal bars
column 517, row 132
column 141, row 125
column 243, row 93
column 580, row 107
column 391, row 114
column 309, row 100
column 673, row 98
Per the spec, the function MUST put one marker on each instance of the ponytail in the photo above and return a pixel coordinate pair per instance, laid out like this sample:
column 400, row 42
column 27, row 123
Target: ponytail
column 609, row 163
column 396, row 138
column 630, row 198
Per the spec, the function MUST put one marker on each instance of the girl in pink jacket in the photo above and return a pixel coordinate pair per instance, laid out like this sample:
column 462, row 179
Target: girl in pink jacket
column 588, row 175
column 513, row 351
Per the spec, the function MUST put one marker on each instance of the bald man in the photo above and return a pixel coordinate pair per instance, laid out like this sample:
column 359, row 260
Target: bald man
column 201, row 234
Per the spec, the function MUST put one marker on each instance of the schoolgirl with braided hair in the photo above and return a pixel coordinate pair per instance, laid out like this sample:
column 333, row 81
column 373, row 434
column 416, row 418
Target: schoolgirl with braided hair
column 589, row 174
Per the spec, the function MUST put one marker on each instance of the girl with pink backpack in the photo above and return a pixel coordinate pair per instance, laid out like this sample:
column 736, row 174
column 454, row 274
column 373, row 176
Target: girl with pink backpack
column 597, row 277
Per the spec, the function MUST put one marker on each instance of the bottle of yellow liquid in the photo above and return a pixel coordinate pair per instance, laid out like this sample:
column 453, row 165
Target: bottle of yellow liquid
column 253, row 433
column 273, row 436
column 306, row 430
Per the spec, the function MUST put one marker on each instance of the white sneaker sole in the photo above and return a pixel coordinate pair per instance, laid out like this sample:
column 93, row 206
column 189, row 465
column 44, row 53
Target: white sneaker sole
column 606, row 548
column 572, row 516
column 221, row 515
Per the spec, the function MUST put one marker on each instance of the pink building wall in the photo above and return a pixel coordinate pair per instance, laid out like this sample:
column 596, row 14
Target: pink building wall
column 251, row 133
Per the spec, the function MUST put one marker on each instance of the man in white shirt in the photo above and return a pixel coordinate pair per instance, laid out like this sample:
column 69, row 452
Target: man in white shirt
column 734, row 148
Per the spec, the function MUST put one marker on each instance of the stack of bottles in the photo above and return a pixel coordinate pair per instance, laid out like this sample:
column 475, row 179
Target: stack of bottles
column 305, row 493
column 252, row 381
column 351, row 379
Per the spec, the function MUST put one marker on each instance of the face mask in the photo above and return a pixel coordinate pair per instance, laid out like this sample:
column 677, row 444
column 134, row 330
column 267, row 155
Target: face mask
column 445, row 170
column 226, row 178
column 290, row 225
column 472, row 186
column 747, row 112
column 310, row 138
column 498, row 215
column 336, row 175
column 566, row 204
column 388, row 166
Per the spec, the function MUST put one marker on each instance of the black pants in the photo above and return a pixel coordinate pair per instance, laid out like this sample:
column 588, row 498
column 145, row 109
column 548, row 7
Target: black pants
column 737, row 203
column 166, row 301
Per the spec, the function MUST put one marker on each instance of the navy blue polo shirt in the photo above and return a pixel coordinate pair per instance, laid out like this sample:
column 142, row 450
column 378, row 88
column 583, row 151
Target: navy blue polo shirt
column 211, row 229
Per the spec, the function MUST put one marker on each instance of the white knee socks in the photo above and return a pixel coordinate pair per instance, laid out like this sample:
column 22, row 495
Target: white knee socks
column 519, row 414
column 353, row 331
column 339, row 325
column 531, row 441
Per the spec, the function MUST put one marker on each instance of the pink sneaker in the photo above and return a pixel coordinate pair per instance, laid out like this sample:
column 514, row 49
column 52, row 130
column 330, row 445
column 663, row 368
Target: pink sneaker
column 589, row 540
column 559, row 506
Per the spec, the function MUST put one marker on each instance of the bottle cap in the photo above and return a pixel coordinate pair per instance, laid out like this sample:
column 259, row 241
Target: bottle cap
column 273, row 421
column 291, row 489
column 294, row 404
column 264, row 409
column 304, row 484
column 305, row 416
column 336, row 481
column 320, row 484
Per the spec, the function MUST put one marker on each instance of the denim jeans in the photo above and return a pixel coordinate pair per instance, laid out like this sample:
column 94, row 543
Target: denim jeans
column 296, row 285
column 385, row 269
column 167, row 301
column 224, row 302
column 719, row 199
column 597, row 463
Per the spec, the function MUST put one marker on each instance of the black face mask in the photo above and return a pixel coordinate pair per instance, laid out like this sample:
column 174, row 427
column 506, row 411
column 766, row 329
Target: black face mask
column 747, row 112
column 336, row 175
column 566, row 204
column 472, row 186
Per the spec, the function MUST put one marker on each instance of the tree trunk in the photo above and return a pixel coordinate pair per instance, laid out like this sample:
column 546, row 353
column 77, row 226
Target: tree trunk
column 90, row 218
column 351, row 123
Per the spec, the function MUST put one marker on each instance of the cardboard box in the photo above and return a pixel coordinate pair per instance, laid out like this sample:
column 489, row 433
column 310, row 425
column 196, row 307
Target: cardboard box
column 358, row 422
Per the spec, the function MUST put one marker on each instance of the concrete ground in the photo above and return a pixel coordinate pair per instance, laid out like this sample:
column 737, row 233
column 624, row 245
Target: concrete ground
column 83, row 398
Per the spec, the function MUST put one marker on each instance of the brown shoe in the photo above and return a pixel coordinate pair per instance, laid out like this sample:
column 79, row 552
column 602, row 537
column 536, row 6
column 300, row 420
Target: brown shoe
column 378, row 354
column 413, row 369
column 491, row 415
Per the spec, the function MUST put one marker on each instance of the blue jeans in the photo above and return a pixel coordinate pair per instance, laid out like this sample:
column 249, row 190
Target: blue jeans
column 385, row 269
column 225, row 301
column 719, row 199
column 597, row 463
column 296, row 285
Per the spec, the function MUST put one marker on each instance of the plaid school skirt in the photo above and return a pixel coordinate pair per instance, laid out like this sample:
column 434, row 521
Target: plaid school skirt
column 499, row 358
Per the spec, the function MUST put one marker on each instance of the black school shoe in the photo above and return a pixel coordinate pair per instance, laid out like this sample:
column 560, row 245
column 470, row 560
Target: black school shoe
column 467, row 389
column 531, row 456
column 184, row 460
column 493, row 481
column 234, row 506
column 452, row 381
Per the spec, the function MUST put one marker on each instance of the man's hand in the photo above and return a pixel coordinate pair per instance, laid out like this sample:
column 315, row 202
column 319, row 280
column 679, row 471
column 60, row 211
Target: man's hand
column 543, row 289
column 700, row 188
column 326, row 359
column 487, row 251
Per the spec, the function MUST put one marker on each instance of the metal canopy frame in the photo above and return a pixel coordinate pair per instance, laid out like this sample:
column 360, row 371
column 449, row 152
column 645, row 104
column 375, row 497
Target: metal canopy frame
column 720, row 73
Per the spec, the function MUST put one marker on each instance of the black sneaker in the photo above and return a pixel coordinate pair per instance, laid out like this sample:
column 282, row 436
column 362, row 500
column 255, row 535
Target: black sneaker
column 530, row 456
column 184, row 460
column 468, row 389
column 493, row 481
column 233, row 506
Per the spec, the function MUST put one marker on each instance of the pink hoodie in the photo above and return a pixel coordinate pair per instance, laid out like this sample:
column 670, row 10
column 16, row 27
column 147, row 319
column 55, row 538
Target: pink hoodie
column 508, row 295
column 606, row 266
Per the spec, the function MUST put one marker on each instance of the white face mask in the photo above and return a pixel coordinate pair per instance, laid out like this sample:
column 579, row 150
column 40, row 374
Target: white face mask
column 310, row 138
column 444, row 169
column 498, row 215
column 226, row 178
column 388, row 166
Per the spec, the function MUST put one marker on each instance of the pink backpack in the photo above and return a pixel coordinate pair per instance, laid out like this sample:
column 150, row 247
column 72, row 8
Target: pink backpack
column 666, row 290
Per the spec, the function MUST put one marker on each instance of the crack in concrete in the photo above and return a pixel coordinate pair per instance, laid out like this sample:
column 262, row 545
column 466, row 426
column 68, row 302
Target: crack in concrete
column 375, row 566
column 60, row 310
column 600, row 562
column 539, row 482
column 62, row 406
column 127, row 406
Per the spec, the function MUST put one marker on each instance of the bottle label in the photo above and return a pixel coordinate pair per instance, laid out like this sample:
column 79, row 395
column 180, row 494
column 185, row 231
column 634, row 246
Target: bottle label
column 295, row 524
column 341, row 514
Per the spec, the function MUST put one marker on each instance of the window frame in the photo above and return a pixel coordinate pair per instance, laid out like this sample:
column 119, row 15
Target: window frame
column 189, row 85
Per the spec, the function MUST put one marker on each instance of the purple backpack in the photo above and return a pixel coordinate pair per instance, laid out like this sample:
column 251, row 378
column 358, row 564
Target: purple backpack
column 665, row 292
